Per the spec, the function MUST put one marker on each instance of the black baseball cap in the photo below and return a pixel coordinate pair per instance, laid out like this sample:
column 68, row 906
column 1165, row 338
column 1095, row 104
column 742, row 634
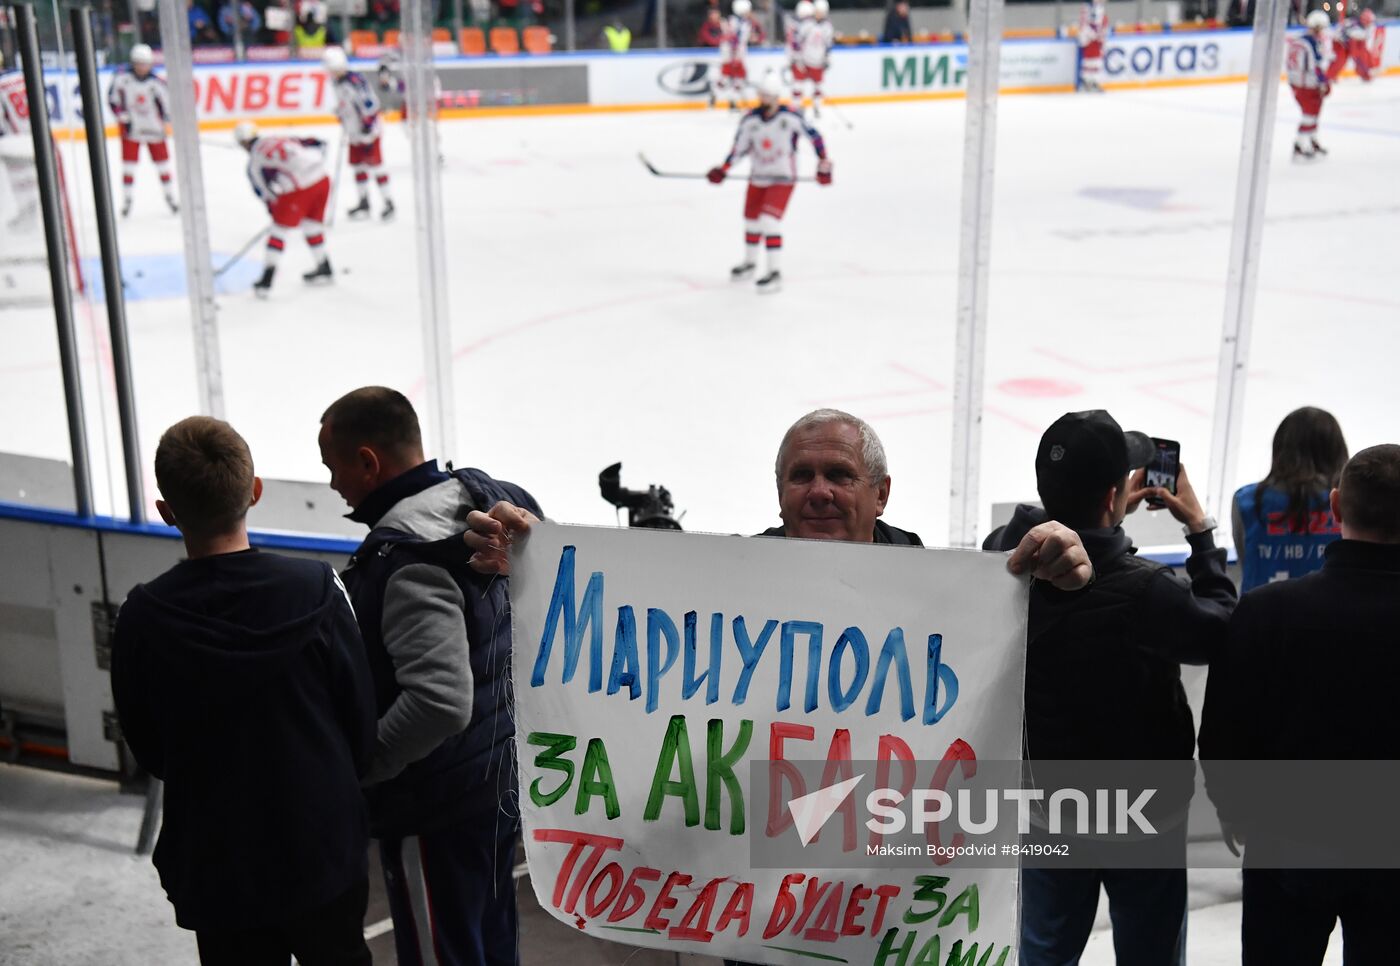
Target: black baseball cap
column 1083, row 454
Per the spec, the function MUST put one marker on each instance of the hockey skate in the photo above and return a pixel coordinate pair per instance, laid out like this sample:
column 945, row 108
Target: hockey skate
column 263, row 284
column 1302, row 156
column 1318, row 149
column 770, row 283
column 361, row 210
column 321, row 272
column 174, row 208
column 740, row 272
column 126, row 207
column 388, row 213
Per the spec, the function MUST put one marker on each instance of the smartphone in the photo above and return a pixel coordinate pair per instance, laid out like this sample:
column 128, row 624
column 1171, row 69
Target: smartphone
column 1163, row 468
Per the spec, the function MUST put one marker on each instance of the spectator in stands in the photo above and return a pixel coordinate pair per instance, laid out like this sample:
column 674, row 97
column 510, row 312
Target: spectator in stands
column 249, row 21
column 384, row 15
column 1239, row 13
column 240, row 680
column 310, row 35
column 898, row 29
column 1283, row 523
column 1117, row 647
column 202, row 32
column 1309, row 673
column 712, row 30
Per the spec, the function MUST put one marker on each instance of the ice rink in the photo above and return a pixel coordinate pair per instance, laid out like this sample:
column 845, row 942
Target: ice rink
column 593, row 319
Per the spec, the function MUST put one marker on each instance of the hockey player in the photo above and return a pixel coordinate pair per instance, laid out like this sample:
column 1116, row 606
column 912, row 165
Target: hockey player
column 289, row 176
column 357, row 106
column 733, row 52
column 815, row 40
column 141, row 104
column 768, row 135
column 16, row 156
column 1361, row 41
column 1306, row 62
column 792, row 42
column 1093, row 31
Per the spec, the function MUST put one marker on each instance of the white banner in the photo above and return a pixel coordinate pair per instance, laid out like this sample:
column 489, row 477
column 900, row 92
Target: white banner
column 652, row 668
column 1144, row 58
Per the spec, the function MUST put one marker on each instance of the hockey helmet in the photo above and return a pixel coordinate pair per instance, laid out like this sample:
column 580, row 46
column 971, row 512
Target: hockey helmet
column 141, row 54
column 804, row 9
column 334, row 60
column 821, row 7
column 1318, row 20
column 1368, row 17
column 245, row 133
column 742, row 8
column 771, row 87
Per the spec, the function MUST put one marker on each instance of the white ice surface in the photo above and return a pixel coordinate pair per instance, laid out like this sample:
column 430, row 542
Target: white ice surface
column 593, row 320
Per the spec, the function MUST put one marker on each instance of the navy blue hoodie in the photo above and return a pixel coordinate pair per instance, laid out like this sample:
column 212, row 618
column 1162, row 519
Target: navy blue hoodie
column 241, row 681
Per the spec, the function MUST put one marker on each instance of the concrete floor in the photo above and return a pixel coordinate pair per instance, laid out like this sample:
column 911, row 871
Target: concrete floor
column 72, row 892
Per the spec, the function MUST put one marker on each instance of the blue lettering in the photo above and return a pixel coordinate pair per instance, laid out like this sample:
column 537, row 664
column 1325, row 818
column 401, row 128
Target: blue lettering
column 791, row 629
column 938, row 672
column 624, row 663
column 1186, row 58
column 892, row 652
column 589, row 615
column 750, row 653
column 659, row 625
column 1113, row 60
column 853, row 640
column 1139, row 64
column 689, row 682
column 1210, row 58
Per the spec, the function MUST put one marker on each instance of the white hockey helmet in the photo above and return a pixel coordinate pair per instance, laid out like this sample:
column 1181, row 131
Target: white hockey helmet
column 1318, row 20
column 335, row 61
column 742, row 8
column 771, row 87
column 821, row 7
column 141, row 54
column 245, row 132
column 804, row 9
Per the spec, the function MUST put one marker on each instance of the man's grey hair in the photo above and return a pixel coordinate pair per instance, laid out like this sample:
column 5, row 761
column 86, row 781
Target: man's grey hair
column 872, row 451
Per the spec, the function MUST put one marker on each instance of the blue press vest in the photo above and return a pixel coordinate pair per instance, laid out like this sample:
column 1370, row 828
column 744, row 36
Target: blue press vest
column 1272, row 549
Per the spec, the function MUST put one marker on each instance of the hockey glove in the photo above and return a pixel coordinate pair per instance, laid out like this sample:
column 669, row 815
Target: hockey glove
column 824, row 171
column 124, row 122
column 717, row 174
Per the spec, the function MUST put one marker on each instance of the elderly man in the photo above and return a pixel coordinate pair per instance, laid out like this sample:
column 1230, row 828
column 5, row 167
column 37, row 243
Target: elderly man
column 833, row 484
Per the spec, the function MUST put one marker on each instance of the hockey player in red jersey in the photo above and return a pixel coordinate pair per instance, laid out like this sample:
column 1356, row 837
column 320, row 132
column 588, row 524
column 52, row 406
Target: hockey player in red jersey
column 768, row 136
column 733, row 56
column 357, row 106
column 289, row 176
column 141, row 104
column 1093, row 31
column 1361, row 41
column 1307, row 62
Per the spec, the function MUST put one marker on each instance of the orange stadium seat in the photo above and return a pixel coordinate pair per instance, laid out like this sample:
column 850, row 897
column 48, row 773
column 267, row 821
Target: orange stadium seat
column 537, row 40
column 442, row 35
column 471, row 41
column 504, row 40
column 363, row 38
column 391, row 38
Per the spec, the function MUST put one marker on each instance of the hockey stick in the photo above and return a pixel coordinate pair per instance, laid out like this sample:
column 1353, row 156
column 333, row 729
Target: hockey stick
column 840, row 117
column 686, row 174
column 241, row 252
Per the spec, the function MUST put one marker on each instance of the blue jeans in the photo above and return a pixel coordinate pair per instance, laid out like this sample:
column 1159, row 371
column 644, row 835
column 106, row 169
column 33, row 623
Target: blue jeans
column 1147, row 908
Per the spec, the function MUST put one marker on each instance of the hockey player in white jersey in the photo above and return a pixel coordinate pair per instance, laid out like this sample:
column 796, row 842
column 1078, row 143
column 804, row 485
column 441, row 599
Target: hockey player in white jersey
column 1093, row 31
column 21, row 181
column 289, row 176
column 1306, row 62
column 792, row 43
column 357, row 106
column 768, row 136
column 733, row 57
column 815, row 38
column 139, row 99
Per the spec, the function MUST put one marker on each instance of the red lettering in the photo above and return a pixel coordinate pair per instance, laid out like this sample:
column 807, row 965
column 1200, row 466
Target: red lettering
column 959, row 753
column 886, row 893
column 226, row 95
column 255, row 91
column 893, row 748
column 779, row 770
column 739, row 908
column 664, row 901
column 319, row 96
column 824, row 929
column 694, row 925
column 289, row 92
column 577, row 842
column 632, row 894
column 591, row 903
column 855, row 907
column 838, row 769
column 783, row 906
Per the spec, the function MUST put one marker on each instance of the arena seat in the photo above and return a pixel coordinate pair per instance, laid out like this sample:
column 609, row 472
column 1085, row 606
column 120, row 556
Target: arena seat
column 442, row 35
column 537, row 40
column 363, row 38
column 505, row 41
column 391, row 38
column 471, row 41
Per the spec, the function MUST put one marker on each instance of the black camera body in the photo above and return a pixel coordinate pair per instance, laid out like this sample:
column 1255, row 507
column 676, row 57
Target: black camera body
column 651, row 508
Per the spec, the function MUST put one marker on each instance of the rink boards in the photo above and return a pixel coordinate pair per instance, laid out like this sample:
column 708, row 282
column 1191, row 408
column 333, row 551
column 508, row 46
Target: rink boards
column 299, row 92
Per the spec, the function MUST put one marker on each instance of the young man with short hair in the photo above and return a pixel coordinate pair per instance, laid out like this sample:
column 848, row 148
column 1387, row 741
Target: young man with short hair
column 240, row 680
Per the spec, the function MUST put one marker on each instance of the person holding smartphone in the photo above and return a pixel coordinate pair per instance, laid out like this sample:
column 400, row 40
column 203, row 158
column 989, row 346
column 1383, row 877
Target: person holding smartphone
column 1103, row 677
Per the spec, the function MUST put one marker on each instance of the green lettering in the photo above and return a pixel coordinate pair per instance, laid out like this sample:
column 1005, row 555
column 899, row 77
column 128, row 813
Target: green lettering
column 901, row 76
column 968, row 904
column 719, row 774
column 675, row 752
column 596, row 778
column 549, row 759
